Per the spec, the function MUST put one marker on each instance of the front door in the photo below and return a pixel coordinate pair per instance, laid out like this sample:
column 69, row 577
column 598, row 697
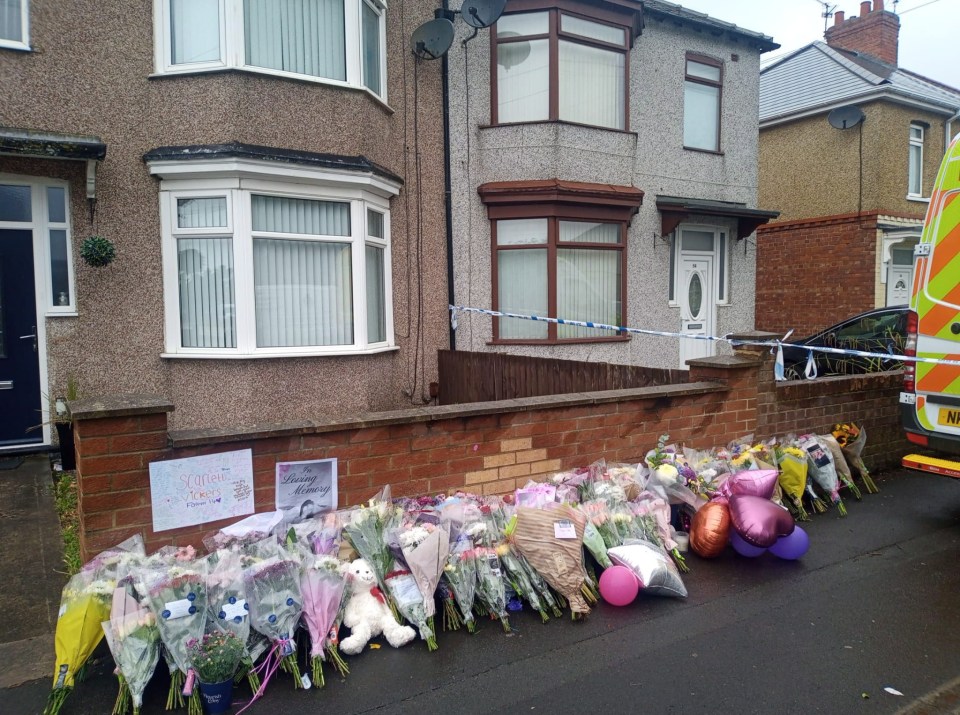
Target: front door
column 899, row 285
column 696, row 306
column 20, row 407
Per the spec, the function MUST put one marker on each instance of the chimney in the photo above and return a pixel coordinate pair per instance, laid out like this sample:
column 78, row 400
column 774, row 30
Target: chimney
column 838, row 18
column 876, row 32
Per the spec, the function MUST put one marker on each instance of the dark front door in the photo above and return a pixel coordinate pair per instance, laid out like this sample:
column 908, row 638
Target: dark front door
column 19, row 359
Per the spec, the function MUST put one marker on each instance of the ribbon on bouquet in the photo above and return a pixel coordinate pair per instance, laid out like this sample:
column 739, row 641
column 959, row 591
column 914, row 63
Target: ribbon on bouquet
column 777, row 345
column 280, row 650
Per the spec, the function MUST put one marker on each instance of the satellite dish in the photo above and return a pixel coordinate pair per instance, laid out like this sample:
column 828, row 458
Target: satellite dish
column 845, row 117
column 482, row 13
column 512, row 53
column 432, row 39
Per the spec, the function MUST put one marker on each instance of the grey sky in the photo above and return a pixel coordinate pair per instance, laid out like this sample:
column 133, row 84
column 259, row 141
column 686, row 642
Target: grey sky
column 928, row 29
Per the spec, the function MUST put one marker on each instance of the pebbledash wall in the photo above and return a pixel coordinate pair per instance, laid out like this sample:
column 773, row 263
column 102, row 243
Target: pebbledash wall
column 489, row 447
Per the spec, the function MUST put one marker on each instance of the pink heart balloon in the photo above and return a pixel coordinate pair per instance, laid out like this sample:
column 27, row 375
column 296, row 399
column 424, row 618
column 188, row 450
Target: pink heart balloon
column 759, row 521
column 756, row 482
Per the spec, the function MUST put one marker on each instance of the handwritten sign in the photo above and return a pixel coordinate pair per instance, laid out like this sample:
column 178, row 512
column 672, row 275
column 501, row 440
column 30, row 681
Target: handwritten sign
column 196, row 490
column 306, row 488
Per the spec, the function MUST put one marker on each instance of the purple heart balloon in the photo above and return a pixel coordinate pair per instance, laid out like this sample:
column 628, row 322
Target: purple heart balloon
column 759, row 521
column 756, row 482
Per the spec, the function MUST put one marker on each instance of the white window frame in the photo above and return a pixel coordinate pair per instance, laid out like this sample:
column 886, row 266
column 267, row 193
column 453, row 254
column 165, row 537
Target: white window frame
column 24, row 42
column 232, row 46
column 40, row 226
column 238, row 179
column 722, row 292
column 915, row 143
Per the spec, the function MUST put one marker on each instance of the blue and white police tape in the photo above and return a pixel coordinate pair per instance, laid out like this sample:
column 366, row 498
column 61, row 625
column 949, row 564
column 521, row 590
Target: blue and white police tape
column 810, row 371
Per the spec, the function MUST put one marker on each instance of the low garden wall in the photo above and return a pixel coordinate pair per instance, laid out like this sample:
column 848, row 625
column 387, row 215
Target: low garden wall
column 487, row 447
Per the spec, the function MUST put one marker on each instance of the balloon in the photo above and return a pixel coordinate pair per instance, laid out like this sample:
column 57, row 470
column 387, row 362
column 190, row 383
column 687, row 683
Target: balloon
column 791, row 547
column 710, row 529
column 744, row 548
column 618, row 586
column 759, row 521
column 756, row 482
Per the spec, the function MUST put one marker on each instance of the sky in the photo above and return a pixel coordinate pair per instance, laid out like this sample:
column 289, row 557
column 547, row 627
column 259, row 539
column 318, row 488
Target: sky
column 928, row 28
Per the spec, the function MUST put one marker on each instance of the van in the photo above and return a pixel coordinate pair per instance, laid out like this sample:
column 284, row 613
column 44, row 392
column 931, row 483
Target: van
column 930, row 400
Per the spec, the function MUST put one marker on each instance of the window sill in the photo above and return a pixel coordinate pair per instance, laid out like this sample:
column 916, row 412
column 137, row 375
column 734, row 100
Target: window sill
column 568, row 341
column 270, row 73
column 271, row 355
column 704, row 151
column 15, row 46
column 61, row 314
column 560, row 122
column 918, row 199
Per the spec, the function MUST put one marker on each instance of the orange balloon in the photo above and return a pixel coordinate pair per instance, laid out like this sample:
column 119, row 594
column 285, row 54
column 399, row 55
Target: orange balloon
column 710, row 530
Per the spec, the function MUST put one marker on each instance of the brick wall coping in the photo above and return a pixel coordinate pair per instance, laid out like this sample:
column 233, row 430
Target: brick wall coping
column 835, row 219
column 365, row 420
column 792, row 389
column 727, row 361
column 119, row 406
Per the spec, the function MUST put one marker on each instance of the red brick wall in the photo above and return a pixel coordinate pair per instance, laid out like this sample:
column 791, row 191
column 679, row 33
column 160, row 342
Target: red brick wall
column 876, row 33
column 814, row 273
column 482, row 447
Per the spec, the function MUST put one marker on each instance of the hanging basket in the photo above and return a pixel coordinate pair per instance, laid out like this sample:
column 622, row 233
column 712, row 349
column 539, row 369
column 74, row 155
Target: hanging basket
column 98, row 251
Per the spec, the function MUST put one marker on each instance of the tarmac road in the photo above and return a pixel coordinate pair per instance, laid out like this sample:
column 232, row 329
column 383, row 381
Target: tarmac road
column 875, row 603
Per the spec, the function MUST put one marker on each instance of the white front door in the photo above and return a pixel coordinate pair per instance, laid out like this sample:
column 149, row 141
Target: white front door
column 695, row 296
column 899, row 284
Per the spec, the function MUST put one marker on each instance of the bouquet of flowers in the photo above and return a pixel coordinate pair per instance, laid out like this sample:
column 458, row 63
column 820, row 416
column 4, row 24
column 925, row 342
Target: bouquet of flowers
column 272, row 586
column 792, row 462
column 367, row 531
column 84, row 605
column 840, row 462
column 175, row 591
column 552, row 542
column 601, row 520
column 655, row 513
column 490, row 587
column 852, row 440
column 216, row 656
column 822, row 470
column 134, row 642
column 425, row 546
column 227, row 607
column 405, row 592
column 460, row 573
column 322, row 585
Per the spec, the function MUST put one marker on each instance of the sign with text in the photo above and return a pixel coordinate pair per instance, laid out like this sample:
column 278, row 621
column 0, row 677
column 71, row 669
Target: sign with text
column 306, row 488
column 196, row 490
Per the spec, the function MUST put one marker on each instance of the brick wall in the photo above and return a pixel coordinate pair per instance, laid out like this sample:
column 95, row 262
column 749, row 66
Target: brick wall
column 488, row 447
column 814, row 273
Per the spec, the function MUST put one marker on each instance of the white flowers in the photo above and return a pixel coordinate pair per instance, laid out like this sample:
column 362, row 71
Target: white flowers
column 415, row 535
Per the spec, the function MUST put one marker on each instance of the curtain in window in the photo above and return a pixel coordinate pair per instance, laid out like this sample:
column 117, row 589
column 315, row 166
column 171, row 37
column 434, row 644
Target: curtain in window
column 376, row 299
column 523, row 81
column 301, row 36
column 194, row 31
column 304, row 293
column 701, row 116
column 592, row 85
column 371, row 48
column 207, row 318
column 11, row 21
column 588, row 288
column 522, row 288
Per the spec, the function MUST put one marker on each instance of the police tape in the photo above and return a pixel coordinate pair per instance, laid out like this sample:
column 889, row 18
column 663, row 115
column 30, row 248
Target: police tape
column 778, row 345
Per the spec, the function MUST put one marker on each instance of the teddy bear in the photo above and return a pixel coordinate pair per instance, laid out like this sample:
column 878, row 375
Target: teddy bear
column 367, row 614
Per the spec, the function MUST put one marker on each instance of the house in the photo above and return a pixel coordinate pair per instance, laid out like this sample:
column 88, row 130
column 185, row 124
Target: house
column 271, row 178
column 604, row 169
column 852, row 192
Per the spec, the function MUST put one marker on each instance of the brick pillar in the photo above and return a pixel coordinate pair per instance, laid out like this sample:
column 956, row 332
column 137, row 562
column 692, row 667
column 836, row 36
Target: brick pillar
column 736, row 416
column 116, row 438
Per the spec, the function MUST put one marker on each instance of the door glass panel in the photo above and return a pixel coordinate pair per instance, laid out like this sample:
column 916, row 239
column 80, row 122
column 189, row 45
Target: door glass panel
column 56, row 204
column 15, row 203
column 59, row 277
column 696, row 241
column 902, row 256
column 695, row 295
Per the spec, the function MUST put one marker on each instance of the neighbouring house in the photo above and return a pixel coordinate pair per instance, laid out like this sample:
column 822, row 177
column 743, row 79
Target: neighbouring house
column 852, row 193
column 271, row 177
column 604, row 169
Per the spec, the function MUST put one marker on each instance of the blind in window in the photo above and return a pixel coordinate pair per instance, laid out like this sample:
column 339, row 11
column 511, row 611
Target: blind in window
column 207, row 317
column 301, row 36
column 202, row 213
column 194, row 31
column 278, row 214
column 592, row 85
column 522, row 288
column 371, row 48
column 376, row 298
column 523, row 81
column 588, row 289
column 701, row 116
column 11, row 20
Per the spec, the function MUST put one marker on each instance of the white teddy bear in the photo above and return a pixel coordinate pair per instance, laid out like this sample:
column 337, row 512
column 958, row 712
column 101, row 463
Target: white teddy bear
column 367, row 614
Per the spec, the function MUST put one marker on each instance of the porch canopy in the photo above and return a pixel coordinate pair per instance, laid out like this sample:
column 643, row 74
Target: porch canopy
column 675, row 209
column 53, row 145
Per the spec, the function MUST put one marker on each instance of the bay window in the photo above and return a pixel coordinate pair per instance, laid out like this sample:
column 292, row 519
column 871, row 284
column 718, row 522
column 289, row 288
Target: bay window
column 553, row 65
column 703, row 82
column 15, row 24
column 257, row 267
column 333, row 41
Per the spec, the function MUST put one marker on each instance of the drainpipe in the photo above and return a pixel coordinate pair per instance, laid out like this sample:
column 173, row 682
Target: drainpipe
column 447, row 184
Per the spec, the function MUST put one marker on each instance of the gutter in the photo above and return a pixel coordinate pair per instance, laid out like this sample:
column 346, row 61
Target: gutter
column 447, row 183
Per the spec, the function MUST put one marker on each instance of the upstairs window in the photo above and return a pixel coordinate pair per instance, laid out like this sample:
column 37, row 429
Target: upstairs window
column 14, row 24
column 915, row 166
column 334, row 41
column 702, row 85
column 552, row 65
